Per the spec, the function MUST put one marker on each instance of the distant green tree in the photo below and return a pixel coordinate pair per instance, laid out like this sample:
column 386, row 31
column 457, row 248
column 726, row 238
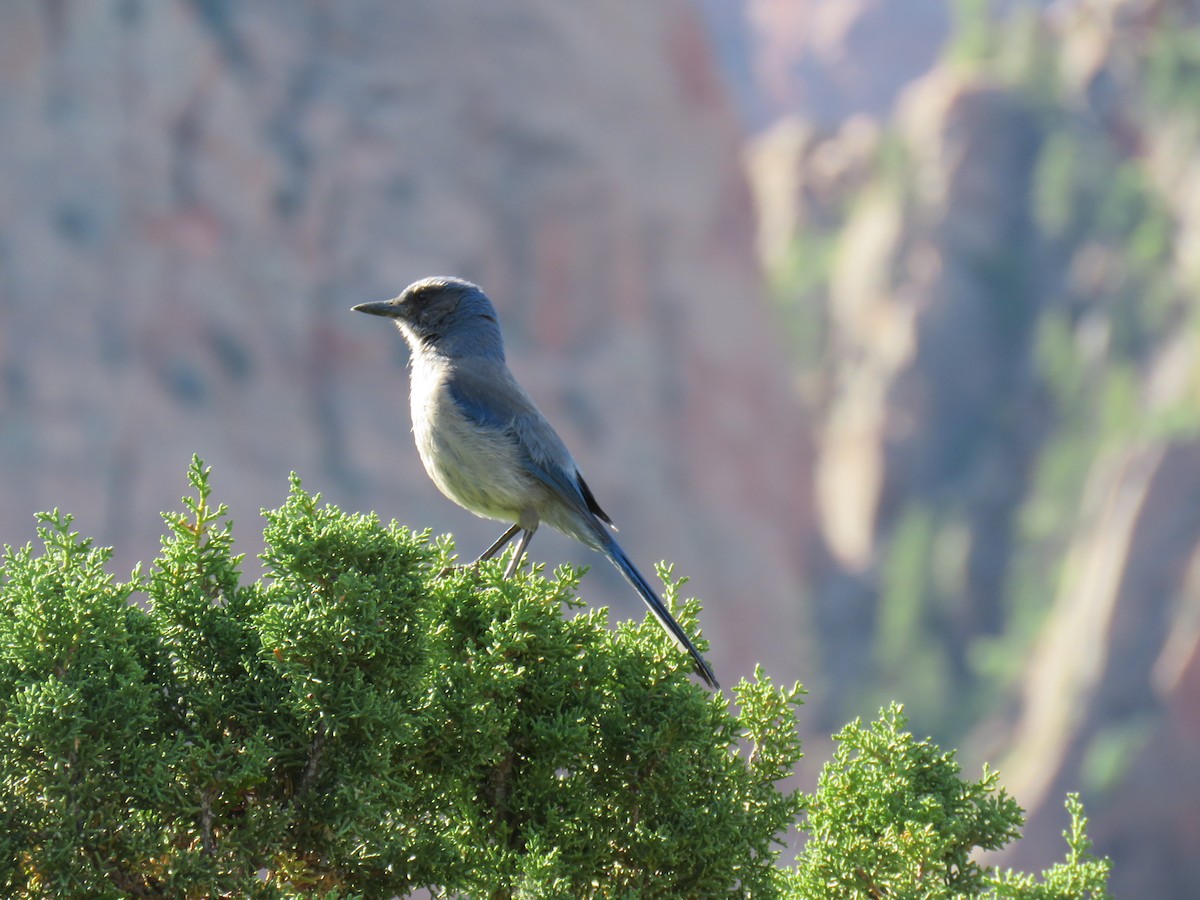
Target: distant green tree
column 892, row 818
column 358, row 723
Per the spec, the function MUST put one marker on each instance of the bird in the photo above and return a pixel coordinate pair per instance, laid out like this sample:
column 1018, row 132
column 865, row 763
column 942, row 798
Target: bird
column 486, row 445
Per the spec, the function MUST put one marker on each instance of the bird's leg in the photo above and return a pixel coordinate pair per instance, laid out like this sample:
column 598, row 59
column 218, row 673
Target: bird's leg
column 515, row 562
column 499, row 544
column 488, row 553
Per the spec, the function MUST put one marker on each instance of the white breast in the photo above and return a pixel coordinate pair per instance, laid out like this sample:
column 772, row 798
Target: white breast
column 479, row 469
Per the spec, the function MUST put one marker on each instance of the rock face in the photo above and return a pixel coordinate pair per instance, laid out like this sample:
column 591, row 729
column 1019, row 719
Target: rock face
column 1003, row 397
column 828, row 61
column 1110, row 697
column 193, row 194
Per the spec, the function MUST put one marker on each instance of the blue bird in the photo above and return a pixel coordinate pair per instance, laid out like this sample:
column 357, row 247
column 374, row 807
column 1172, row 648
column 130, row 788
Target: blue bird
column 484, row 442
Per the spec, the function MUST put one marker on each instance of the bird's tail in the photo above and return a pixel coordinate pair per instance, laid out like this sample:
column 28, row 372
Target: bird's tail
column 614, row 552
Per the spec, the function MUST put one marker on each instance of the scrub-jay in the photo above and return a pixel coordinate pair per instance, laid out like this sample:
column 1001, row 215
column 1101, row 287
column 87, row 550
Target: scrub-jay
column 484, row 443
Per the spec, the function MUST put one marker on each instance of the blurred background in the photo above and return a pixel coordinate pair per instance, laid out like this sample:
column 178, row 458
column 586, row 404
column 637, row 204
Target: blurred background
column 877, row 317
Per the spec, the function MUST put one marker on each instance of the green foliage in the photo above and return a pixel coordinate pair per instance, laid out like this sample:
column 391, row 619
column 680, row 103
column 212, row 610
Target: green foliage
column 361, row 722
column 355, row 724
column 910, row 657
column 1081, row 876
column 1171, row 67
column 804, row 271
column 972, row 37
column 79, row 724
column 892, row 818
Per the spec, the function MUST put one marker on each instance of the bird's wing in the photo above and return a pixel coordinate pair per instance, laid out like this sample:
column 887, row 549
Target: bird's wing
column 495, row 401
column 487, row 401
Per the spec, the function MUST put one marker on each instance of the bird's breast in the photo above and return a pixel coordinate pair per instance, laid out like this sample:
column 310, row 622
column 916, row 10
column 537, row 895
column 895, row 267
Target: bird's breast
column 479, row 468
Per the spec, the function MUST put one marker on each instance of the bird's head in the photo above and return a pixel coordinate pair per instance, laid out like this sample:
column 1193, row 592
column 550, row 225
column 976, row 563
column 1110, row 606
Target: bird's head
column 445, row 314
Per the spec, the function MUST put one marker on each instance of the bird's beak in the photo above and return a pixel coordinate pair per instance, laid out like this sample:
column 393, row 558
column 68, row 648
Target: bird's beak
column 389, row 308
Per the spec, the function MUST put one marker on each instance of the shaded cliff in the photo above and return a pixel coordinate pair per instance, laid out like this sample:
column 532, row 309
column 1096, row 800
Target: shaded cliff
column 993, row 297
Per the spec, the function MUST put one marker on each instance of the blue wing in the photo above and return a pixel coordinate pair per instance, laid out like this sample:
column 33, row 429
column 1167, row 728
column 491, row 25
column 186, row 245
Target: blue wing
column 499, row 404
column 482, row 403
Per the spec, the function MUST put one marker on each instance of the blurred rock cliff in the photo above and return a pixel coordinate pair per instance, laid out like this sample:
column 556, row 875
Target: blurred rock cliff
column 990, row 282
column 194, row 192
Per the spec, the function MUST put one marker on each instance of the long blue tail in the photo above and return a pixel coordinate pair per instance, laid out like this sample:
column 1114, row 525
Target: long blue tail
column 614, row 552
